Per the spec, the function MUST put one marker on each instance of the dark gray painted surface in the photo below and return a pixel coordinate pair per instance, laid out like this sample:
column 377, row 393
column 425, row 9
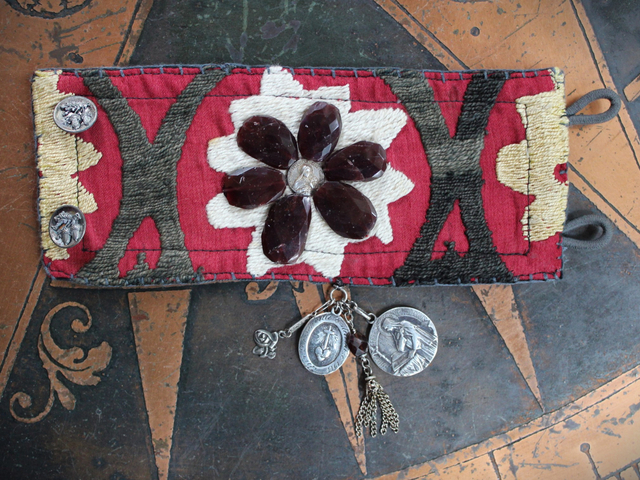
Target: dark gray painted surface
column 245, row 417
column 107, row 434
column 357, row 33
column 584, row 330
column 471, row 391
column 617, row 27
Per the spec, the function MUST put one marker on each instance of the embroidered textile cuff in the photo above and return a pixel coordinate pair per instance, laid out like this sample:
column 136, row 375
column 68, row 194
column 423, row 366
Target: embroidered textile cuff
column 376, row 177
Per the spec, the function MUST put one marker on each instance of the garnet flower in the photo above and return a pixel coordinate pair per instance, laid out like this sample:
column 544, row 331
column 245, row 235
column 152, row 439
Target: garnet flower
column 309, row 171
column 285, row 98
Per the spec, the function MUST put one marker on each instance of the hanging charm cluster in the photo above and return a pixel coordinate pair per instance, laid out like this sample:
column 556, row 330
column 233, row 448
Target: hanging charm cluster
column 328, row 336
column 402, row 342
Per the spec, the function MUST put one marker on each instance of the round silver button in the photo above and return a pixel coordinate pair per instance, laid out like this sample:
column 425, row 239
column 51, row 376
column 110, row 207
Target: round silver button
column 67, row 226
column 75, row 114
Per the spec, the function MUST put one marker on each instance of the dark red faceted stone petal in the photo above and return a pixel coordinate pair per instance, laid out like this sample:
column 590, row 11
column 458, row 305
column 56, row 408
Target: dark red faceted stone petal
column 252, row 187
column 357, row 343
column 362, row 161
column 319, row 131
column 285, row 231
column 269, row 140
column 347, row 211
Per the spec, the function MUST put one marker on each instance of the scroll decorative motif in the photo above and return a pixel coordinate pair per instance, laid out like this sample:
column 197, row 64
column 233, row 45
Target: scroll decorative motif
column 73, row 363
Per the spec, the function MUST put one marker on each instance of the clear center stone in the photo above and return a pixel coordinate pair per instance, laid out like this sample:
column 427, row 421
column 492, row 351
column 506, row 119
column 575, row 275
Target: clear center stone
column 305, row 176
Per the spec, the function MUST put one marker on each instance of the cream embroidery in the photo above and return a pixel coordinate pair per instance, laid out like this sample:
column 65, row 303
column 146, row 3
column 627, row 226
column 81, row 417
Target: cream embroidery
column 528, row 167
column 60, row 156
column 284, row 98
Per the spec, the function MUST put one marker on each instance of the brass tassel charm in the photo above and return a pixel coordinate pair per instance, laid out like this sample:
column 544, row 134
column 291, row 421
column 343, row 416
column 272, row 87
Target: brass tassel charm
column 374, row 395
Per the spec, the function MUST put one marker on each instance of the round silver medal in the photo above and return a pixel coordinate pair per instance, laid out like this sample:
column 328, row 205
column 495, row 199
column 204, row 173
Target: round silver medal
column 75, row 114
column 323, row 344
column 67, row 226
column 403, row 341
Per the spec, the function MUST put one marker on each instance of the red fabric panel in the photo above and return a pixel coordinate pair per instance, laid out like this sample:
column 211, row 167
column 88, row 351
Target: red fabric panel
column 220, row 254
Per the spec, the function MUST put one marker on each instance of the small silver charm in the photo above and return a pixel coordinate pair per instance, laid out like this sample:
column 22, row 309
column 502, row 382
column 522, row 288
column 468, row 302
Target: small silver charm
column 75, row 114
column 323, row 344
column 266, row 342
column 403, row 341
column 305, row 176
column 67, row 226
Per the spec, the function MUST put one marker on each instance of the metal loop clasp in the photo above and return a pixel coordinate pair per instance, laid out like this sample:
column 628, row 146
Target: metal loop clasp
column 602, row 93
column 337, row 288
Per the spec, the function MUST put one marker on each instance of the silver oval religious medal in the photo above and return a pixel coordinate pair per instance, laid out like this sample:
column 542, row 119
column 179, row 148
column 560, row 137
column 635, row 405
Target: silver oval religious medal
column 323, row 344
column 403, row 341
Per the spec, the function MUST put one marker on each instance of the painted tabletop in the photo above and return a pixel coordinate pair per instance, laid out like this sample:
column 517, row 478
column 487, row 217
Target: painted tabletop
column 530, row 381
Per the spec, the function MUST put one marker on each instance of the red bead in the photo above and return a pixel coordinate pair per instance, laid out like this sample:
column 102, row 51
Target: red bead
column 347, row 211
column 357, row 343
column 362, row 161
column 253, row 187
column 319, row 131
column 269, row 140
column 285, row 231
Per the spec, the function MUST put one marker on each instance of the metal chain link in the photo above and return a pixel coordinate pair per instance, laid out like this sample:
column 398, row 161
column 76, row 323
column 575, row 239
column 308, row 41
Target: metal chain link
column 346, row 308
column 374, row 393
column 389, row 414
column 368, row 316
column 286, row 333
column 339, row 306
column 374, row 396
column 366, row 366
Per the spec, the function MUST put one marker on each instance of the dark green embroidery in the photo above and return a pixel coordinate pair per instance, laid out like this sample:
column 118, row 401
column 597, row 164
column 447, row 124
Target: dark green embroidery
column 455, row 175
column 148, row 181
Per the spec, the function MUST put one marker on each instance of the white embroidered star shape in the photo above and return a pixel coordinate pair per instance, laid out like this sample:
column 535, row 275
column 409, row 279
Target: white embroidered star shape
column 284, row 98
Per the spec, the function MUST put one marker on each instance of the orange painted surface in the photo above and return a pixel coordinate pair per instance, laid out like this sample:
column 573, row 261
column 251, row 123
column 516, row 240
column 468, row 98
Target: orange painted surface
column 479, row 468
column 551, row 447
column 608, row 432
column 343, row 385
column 632, row 90
column 159, row 320
column 254, row 293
